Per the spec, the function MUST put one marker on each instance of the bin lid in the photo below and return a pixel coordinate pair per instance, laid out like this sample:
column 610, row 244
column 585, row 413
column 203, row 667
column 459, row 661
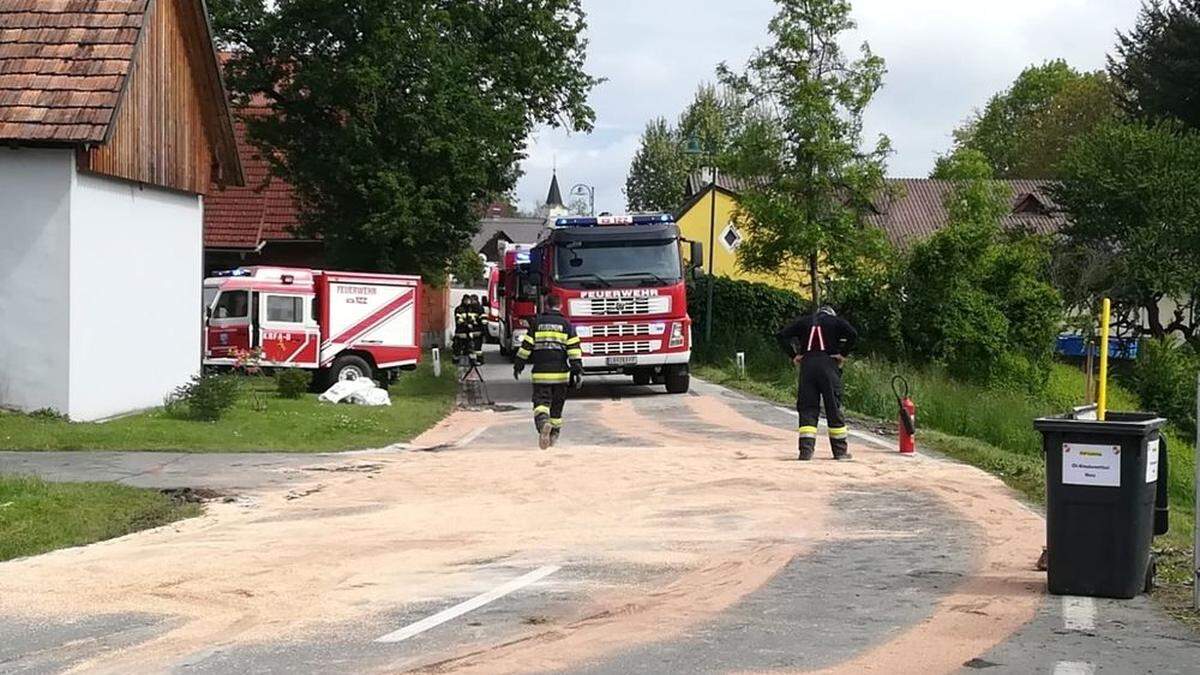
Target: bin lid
column 1121, row 423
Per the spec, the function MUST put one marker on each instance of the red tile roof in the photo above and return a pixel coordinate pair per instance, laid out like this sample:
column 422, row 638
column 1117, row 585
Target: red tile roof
column 245, row 217
column 62, row 66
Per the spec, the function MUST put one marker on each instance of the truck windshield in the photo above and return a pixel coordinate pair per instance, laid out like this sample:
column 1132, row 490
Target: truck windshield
column 654, row 261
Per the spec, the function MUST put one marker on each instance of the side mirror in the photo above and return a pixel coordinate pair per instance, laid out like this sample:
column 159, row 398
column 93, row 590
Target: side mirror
column 697, row 256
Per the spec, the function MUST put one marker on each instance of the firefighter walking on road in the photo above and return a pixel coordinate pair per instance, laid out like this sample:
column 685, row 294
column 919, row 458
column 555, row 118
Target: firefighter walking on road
column 819, row 344
column 552, row 346
column 464, row 324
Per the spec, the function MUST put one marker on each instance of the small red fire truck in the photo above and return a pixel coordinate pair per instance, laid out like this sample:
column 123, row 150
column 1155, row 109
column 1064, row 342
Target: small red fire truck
column 623, row 286
column 344, row 325
column 513, row 296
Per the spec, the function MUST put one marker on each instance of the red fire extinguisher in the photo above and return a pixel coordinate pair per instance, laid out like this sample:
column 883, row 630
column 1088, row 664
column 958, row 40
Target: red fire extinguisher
column 908, row 416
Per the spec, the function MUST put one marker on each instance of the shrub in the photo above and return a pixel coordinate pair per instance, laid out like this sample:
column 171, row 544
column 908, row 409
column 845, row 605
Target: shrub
column 741, row 308
column 1164, row 378
column 208, row 396
column 292, row 382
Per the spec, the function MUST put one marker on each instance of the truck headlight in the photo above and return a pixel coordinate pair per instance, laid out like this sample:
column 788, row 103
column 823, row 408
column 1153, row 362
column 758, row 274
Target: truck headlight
column 676, row 335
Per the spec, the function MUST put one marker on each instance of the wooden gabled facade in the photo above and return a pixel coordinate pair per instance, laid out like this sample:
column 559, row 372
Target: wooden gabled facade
column 134, row 85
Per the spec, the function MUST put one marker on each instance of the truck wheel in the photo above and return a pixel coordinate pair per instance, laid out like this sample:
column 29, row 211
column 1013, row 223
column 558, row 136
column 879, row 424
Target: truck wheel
column 505, row 341
column 641, row 377
column 678, row 381
column 348, row 367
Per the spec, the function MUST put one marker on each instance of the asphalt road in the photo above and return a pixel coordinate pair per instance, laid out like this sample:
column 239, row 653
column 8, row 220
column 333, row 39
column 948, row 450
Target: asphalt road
column 889, row 563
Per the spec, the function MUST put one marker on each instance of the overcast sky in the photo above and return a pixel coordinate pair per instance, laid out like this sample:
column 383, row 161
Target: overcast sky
column 944, row 58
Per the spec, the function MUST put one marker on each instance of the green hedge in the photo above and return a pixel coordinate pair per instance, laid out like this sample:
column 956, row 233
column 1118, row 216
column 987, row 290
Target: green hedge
column 741, row 308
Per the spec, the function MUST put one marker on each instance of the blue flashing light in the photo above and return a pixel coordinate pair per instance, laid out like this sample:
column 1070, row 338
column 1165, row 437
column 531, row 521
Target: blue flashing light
column 644, row 219
column 239, row 272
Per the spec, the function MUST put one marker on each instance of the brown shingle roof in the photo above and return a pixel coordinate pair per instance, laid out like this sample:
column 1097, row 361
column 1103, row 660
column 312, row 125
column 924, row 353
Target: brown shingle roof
column 62, row 66
column 264, row 210
column 917, row 209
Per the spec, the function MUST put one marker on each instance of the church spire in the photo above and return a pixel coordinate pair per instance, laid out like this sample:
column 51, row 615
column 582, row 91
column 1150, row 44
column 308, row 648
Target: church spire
column 554, row 197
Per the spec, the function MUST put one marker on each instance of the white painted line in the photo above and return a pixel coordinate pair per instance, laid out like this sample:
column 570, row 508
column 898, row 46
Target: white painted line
column 1079, row 613
column 469, row 605
column 466, row 440
column 1074, row 668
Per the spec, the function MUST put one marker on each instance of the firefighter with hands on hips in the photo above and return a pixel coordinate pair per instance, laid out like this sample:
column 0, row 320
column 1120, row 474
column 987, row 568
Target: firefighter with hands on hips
column 553, row 348
column 819, row 344
column 463, row 325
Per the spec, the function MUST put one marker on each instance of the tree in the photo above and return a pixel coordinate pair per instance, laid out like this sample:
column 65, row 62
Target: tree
column 232, row 20
column 989, row 313
column 394, row 119
column 1157, row 64
column 658, row 171
column 800, row 140
column 1132, row 191
column 1024, row 130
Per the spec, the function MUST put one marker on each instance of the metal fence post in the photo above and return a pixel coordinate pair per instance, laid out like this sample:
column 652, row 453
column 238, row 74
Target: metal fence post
column 741, row 364
column 1196, row 509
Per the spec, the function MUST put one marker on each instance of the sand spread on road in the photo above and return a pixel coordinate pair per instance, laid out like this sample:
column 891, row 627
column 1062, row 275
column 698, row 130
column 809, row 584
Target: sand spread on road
column 358, row 544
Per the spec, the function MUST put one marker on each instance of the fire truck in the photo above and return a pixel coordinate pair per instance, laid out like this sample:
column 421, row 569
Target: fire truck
column 343, row 325
column 623, row 285
column 513, row 297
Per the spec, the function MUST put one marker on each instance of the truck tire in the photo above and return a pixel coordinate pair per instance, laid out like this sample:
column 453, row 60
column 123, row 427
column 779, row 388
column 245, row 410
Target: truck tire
column 678, row 381
column 347, row 367
column 641, row 377
column 505, row 341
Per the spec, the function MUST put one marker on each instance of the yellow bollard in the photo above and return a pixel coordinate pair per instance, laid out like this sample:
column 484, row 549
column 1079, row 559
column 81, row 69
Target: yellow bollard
column 1102, row 397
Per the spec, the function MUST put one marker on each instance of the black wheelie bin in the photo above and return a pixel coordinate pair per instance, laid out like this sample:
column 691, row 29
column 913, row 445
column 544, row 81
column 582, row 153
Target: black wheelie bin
column 1101, row 492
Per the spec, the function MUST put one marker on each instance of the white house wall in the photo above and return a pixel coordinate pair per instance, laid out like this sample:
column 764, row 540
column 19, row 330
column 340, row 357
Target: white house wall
column 34, row 260
column 135, row 294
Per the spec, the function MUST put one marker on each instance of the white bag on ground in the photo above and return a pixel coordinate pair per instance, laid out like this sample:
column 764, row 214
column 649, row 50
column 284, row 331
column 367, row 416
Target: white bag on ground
column 345, row 389
column 372, row 396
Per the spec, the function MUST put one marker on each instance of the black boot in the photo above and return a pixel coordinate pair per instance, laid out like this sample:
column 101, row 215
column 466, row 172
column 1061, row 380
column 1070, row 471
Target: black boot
column 840, row 447
column 807, row 447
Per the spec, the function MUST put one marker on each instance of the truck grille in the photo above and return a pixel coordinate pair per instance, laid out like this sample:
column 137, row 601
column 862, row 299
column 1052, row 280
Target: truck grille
column 621, row 330
column 627, row 347
column 657, row 304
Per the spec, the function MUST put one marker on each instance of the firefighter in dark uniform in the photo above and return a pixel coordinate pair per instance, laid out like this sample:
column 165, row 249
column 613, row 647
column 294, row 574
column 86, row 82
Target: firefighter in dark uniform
column 463, row 325
column 552, row 346
column 480, row 328
column 819, row 344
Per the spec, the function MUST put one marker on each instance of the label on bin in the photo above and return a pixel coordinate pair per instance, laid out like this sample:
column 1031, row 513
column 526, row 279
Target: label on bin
column 1152, row 461
column 1087, row 464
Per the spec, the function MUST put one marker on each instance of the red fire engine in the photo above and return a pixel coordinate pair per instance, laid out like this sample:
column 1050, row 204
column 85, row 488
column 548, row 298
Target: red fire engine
column 512, row 297
column 344, row 325
column 623, row 286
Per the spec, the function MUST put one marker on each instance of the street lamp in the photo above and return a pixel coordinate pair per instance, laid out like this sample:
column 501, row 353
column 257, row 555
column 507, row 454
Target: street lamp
column 582, row 189
column 696, row 147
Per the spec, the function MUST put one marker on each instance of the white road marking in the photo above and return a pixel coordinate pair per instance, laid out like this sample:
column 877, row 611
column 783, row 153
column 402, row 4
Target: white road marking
column 466, row 440
column 469, row 605
column 1079, row 613
column 1074, row 668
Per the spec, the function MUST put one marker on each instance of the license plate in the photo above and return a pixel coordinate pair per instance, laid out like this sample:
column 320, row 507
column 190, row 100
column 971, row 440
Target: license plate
column 621, row 360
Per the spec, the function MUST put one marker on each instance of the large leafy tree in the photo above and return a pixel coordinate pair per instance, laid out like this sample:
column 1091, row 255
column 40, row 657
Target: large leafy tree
column 1024, row 130
column 1157, row 64
column 976, row 298
column 1132, row 191
column 662, row 163
column 813, row 181
column 395, row 118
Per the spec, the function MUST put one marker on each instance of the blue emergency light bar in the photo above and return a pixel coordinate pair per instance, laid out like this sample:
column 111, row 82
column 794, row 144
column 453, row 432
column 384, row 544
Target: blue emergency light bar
column 239, row 272
column 651, row 219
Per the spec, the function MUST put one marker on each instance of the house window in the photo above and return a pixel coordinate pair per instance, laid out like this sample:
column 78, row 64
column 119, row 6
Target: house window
column 232, row 305
column 285, row 308
column 730, row 237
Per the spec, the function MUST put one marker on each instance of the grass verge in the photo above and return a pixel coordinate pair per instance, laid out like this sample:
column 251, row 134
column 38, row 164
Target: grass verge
column 37, row 516
column 994, row 431
column 419, row 400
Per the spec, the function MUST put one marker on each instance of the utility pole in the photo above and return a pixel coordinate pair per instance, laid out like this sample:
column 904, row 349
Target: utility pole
column 1196, row 530
column 712, row 240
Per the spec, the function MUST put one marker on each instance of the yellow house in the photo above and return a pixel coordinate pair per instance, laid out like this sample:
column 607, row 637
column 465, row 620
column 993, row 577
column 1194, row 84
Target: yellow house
column 721, row 235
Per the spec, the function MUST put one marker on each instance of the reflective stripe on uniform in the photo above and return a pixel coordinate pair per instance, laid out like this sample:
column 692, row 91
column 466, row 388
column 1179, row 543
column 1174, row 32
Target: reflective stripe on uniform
column 526, row 339
column 573, row 340
column 808, row 432
column 839, row 432
column 551, row 377
column 541, row 410
column 574, row 353
column 550, row 336
column 523, row 354
column 556, row 422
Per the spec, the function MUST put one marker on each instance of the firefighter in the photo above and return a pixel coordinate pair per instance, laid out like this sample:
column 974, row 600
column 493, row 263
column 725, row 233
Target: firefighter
column 819, row 344
column 552, row 346
column 480, row 328
column 463, row 322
